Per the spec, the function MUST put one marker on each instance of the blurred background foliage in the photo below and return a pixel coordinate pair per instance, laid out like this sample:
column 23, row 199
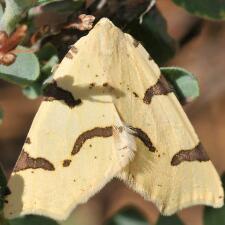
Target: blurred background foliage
column 36, row 34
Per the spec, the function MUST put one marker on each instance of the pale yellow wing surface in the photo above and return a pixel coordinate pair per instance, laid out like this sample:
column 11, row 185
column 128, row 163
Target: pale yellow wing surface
column 178, row 173
column 109, row 112
column 170, row 166
column 66, row 159
column 75, row 144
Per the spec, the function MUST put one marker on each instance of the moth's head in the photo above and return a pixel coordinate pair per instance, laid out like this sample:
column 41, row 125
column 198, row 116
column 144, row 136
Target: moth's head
column 105, row 23
column 106, row 28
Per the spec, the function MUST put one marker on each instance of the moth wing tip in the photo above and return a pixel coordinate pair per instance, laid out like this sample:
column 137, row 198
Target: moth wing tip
column 210, row 203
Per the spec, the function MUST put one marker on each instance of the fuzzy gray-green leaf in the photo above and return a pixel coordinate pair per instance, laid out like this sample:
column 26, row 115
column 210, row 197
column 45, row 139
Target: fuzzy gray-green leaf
column 15, row 10
column 23, row 71
column 208, row 9
column 184, row 83
column 32, row 220
column 48, row 58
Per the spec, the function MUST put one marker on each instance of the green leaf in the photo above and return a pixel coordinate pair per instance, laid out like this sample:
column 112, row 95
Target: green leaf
column 14, row 13
column 57, row 8
column 204, row 8
column 184, row 83
column 47, row 68
column 33, row 91
column 23, row 71
column 50, row 1
column 152, row 33
column 45, row 1
column 48, row 58
column 214, row 216
column 1, row 11
column 169, row 220
column 32, row 220
column 46, row 52
column 3, row 188
column 128, row 216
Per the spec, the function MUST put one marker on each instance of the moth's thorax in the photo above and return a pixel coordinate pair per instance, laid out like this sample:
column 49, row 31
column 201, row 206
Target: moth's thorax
column 125, row 145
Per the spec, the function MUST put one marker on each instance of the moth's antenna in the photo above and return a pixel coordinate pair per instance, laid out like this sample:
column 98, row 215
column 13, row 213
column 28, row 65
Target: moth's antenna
column 151, row 4
column 101, row 4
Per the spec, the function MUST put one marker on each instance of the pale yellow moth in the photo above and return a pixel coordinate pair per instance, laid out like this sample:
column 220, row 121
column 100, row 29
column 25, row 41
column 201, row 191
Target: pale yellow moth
column 110, row 113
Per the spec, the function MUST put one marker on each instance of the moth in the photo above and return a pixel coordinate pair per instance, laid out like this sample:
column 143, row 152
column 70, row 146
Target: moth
column 109, row 112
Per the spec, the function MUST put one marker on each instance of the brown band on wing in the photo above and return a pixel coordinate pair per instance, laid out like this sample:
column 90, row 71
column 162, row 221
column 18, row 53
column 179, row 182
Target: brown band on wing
column 28, row 141
column 66, row 162
column 74, row 49
column 196, row 154
column 135, row 94
column 135, row 43
column 160, row 88
column 53, row 92
column 143, row 137
column 95, row 132
column 69, row 55
column 26, row 162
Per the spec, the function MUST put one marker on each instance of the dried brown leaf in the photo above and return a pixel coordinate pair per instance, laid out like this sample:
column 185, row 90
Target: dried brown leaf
column 84, row 22
column 9, row 43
